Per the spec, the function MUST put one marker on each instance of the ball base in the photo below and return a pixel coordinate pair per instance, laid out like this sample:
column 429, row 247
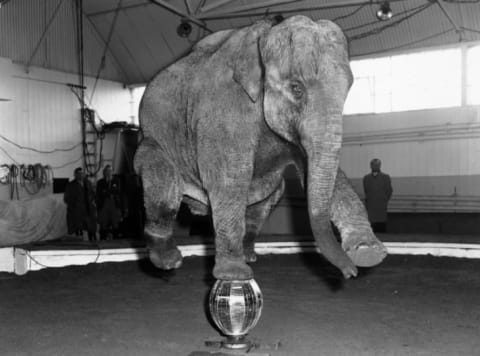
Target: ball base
column 239, row 342
column 229, row 347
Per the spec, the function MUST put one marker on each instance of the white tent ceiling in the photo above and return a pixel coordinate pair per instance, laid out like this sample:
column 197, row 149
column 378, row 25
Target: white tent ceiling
column 142, row 35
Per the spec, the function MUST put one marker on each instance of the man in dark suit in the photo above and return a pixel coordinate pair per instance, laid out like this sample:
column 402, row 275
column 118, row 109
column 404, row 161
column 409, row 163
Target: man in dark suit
column 81, row 212
column 378, row 191
column 109, row 203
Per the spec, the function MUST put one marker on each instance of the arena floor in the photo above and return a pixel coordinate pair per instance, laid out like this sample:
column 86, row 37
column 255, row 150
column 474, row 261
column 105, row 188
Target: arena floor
column 406, row 306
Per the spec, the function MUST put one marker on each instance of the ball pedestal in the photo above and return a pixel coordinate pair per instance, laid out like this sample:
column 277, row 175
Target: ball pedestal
column 236, row 307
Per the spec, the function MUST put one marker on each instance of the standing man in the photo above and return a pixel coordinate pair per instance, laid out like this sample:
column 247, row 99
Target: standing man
column 109, row 203
column 378, row 191
column 80, row 199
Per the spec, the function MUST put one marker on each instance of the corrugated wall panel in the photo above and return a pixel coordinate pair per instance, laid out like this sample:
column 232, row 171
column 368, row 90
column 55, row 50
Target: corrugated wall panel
column 44, row 114
column 22, row 24
column 94, row 45
column 419, row 165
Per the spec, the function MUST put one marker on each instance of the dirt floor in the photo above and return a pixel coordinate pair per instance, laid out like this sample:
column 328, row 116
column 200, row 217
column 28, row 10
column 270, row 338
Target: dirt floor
column 406, row 306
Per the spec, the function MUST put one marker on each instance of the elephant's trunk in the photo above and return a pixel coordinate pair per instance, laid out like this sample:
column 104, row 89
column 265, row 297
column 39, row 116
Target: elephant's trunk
column 322, row 139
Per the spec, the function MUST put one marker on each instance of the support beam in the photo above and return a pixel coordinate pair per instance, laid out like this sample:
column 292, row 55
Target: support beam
column 243, row 11
column 42, row 37
column 215, row 5
column 123, row 8
column 104, row 41
column 448, row 16
column 253, row 6
column 180, row 13
column 188, row 7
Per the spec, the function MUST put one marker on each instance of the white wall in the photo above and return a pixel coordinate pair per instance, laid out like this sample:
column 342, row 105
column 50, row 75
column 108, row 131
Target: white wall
column 433, row 156
column 44, row 114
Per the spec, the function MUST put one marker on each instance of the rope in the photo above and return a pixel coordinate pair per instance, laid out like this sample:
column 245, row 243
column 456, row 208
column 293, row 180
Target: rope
column 32, row 178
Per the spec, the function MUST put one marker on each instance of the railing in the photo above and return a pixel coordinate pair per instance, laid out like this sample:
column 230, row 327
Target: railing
column 421, row 133
column 411, row 203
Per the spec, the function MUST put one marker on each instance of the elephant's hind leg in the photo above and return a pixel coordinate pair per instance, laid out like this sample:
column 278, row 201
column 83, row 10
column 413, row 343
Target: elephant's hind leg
column 162, row 195
column 256, row 215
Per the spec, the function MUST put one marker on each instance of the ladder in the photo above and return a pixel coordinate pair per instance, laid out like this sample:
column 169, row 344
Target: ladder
column 92, row 157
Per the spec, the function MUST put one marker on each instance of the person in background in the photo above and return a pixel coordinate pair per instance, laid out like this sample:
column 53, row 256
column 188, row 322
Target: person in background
column 81, row 212
column 378, row 191
column 110, row 204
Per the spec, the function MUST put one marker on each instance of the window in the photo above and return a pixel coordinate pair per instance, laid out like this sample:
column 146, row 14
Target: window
column 414, row 81
column 136, row 94
column 473, row 75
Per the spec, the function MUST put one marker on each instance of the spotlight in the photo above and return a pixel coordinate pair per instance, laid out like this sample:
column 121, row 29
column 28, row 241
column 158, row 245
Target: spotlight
column 384, row 12
column 184, row 29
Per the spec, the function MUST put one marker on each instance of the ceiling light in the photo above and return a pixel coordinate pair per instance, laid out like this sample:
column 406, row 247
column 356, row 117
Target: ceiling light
column 384, row 12
column 184, row 29
column 278, row 18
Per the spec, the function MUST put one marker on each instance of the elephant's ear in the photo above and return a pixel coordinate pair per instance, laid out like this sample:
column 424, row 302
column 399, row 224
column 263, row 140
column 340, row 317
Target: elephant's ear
column 247, row 66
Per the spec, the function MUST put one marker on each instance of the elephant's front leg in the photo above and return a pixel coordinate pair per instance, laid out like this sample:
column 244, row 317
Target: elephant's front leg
column 257, row 214
column 229, row 223
column 350, row 217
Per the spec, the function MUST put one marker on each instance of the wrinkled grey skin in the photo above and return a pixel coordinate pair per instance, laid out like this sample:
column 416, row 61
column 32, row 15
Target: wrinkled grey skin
column 222, row 124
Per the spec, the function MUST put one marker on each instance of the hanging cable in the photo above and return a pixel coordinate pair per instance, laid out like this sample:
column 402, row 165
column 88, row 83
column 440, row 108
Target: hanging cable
column 376, row 22
column 391, row 24
column 12, row 180
column 105, row 48
column 411, row 43
column 40, row 151
column 68, row 163
column 81, row 95
column 8, row 155
column 350, row 13
column 42, row 37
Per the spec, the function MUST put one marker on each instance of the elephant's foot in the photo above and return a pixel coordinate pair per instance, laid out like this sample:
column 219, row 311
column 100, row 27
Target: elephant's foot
column 250, row 255
column 348, row 268
column 364, row 249
column 231, row 268
column 166, row 258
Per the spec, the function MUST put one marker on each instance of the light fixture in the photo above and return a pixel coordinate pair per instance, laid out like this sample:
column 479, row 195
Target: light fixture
column 384, row 12
column 278, row 18
column 184, row 29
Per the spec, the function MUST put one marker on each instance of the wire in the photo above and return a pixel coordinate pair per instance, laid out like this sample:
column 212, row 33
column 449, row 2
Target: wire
column 391, row 24
column 99, row 251
column 12, row 179
column 67, row 164
column 36, row 176
column 376, row 22
column 101, row 66
column 350, row 13
column 462, row 1
column 32, row 178
column 37, row 150
column 405, row 44
column 411, row 12
column 8, row 155
column 469, row 29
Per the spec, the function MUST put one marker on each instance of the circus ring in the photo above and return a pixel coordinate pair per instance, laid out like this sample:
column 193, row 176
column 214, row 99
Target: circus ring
column 422, row 300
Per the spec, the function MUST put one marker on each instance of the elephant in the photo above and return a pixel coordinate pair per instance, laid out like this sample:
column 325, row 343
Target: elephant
column 221, row 125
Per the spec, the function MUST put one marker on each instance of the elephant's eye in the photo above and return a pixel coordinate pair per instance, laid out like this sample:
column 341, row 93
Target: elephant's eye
column 297, row 90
